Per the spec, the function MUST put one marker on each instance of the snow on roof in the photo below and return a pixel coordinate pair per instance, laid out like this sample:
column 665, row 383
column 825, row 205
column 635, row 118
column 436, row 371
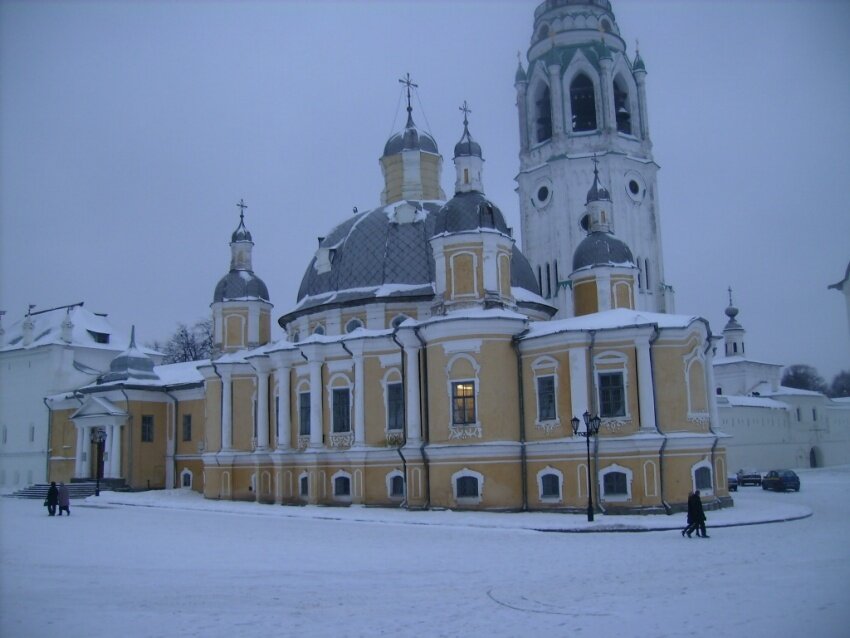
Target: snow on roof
column 722, row 361
column 88, row 330
column 611, row 320
column 786, row 391
column 755, row 402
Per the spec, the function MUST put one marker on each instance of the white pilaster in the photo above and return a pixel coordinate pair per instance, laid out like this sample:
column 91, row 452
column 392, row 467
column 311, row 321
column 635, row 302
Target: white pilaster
column 556, row 98
column 226, row 410
column 262, row 410
column 284, row 418
column 107, row 450
column 646, row 386
column 414, row 421
column 359, row 396
column 316, row 403
column 79, row 467
column 115, row 452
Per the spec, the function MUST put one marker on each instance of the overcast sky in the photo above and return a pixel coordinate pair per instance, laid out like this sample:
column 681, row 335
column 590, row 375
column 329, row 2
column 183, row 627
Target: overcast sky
column 130, row 130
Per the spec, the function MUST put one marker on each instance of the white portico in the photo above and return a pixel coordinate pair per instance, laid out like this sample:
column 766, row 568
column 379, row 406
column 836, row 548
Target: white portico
column 98, row 423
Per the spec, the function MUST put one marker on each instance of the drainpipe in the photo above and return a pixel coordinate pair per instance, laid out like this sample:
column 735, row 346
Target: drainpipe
column 667, row 508
column 521, row 390
column 426, row 430
column 173, row 443
column 129, row 436
column 405, row 504
column 220, row 442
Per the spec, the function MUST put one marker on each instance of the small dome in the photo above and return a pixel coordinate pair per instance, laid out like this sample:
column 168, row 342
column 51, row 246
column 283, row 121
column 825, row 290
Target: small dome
column 241, row 233
column 597, row 191
column 638, row 64
column 410, row 139
column 602, row 249
column 130, row 364
column 467, row 147
column 520, row 74
column 239, row 285
column 469, row 211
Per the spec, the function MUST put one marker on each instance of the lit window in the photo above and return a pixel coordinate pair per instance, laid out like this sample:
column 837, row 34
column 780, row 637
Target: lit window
column 463, row 403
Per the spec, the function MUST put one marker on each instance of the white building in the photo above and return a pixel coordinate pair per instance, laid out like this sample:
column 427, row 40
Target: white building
column 45, row 353
column 773, row 426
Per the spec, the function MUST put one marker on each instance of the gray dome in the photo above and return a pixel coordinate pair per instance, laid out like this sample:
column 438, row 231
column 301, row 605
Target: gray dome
column 373, row 257
column 410, row 139
column 130, row 364
column 239, row 285
column 467, row 146
column 601, row 249
column 469, row 211
column 241, row 233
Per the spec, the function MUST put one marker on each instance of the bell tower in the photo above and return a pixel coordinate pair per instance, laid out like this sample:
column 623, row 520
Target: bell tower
column 581, row 98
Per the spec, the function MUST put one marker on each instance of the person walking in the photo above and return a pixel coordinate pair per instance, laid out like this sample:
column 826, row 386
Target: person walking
column 52, row 499
column 64, row 500
column 696, row 516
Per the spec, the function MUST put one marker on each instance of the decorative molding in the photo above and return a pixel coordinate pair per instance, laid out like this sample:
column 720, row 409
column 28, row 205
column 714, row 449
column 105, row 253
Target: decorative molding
column 615, row 425
column 394, row 438
column 341, row 439
column 462, row 345
column 303, row 441
column 462, row 432
column 548, row 426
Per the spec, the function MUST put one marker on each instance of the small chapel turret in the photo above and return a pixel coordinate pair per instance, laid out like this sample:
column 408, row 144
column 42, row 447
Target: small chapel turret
column 411, row 163
column 241, row 310
column 733, row 332
column 604, row 269
column 472, row 243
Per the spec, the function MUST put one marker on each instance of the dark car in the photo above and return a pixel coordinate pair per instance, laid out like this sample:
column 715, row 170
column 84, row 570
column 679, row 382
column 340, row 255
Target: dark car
column 781, row 480
column 732, row 483
column 749, row 477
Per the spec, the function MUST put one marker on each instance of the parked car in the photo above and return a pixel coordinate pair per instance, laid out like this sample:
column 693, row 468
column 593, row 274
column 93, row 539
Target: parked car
column 781, row 480
column 749, row 477
column 732, row 483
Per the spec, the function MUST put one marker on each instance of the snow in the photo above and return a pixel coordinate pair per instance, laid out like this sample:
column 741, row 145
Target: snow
column 169, row 564
column 610, row 320
column 755, row 402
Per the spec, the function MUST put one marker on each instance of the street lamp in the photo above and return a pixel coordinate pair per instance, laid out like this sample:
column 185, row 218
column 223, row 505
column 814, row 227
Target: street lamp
column 591, row 428
column 98, row 436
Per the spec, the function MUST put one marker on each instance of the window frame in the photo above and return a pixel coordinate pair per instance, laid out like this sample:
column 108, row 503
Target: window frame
column 395, row 406
column 467, row 403
column 340, row 410
column 606, row 399
column 186, row 428
column 147, row 428
column 304, row 413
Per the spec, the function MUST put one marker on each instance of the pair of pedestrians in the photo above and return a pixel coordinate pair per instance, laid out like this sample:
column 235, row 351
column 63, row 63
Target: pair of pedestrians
column 696, row 516
column 58, row 496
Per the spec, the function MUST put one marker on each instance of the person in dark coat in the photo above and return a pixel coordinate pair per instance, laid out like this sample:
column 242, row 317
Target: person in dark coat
column 52, row 499
column 696, row 516
column 64, row 500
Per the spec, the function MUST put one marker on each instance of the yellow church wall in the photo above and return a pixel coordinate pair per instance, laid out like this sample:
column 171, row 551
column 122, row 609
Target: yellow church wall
column 196, row 467
column 505, row 274
column 62, row 446
column 394, row 311
column 146, row 467
column 265, row 331
column 606, row 358
column 374, row 398
column 622, row 292
column 539, row 363
column 235, row 327
column 195, row 409
column 244, row 390
column 670, row 379
column 430, row 171
column 501, row 489
column 461, row 273
column 585, row 300
column 393, row 173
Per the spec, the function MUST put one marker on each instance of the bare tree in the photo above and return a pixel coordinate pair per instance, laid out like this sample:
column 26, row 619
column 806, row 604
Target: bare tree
column 840, row 386
column 189, row 344
column 803, row 377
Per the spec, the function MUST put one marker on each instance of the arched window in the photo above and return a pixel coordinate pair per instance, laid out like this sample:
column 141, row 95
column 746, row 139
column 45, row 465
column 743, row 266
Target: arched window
column 397, row 486
column 319, row 330
column 468, row 486
column 353, row 325
column 399, row 319
column 702, row 478
column 583, row 103
column 621, row 106
column 543, row 114
column 550, row 486
column 615, row 484
column 186, row 478
column 304, row 486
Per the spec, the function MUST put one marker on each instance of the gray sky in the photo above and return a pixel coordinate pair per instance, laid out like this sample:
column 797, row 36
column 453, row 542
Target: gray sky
column 129, row 131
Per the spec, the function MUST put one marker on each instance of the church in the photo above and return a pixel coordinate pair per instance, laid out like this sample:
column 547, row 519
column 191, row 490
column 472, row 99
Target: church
column 429, row 360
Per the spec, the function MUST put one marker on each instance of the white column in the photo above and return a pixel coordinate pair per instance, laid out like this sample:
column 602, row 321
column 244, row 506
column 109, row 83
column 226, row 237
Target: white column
column 556, row 99
column 640, row 80
column 79, row 466
column 359, row 400
column 107, row 451
column 115, row 452
column 609, row 119
column 711, row 393
column 521, row 92
column 316, row 403
column 284, row 418
column 226, row 411
column 414, row 421
column 646, row 386
column 262, row 410
column 578, row 382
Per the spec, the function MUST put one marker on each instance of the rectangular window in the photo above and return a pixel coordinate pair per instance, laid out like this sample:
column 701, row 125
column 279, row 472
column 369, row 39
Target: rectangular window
column 463, row 403
column 304, row 414
column 341, row 410
column 546, row 398
column 814, row 416
column 32, row 433
column 612, row 395
column 395, row 406
column 187, row 427
column 467, row 487
column 615, row 484
column 147, row 428
column 304, row 489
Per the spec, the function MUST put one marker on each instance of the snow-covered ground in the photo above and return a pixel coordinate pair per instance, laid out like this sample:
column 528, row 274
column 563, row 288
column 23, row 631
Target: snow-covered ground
column 160, row 564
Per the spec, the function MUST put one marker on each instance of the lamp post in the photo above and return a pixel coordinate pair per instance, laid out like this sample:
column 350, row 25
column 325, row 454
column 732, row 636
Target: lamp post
column 591, row 428
column 98, row 437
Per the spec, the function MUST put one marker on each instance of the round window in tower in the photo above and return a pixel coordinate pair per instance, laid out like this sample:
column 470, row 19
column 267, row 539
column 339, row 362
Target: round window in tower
column 635, row 187
column 543, row 195
column 584, row 222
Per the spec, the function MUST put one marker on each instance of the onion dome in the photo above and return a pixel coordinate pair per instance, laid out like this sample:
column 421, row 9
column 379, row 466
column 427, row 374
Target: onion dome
column 597, row 191
column 467, row 147
column 410, row 139
column 520, row 73
column 602, row 249
column 132, row 364
column 241, row 233
column 731, row 312
column 241, row 284
column 638, row 64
